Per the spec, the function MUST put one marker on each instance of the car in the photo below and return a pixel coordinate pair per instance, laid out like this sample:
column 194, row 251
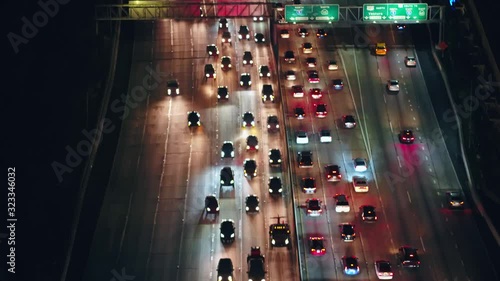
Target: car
column 225, row 270
column 320, row 110
column 194, row 119
column 321, row 33
column 368, row 213
column 325, row 136
column 247, row 58
column 290, row 75
column 258, row 18
column 332, row 172
column 223, row 23
column 313, row 206
column 408, row 257
column 250, row 168
column 313, row 76
column 308, row 185
column 360, row 184
column 302, row 32
column 400, row 26
column 264, row 71
column 317, row 245
column 454, row 200
column 227, row 150
column 297, row 91
column 284, row 33
column 383, row 270
column 350, row 265
column 256, row 269
column 347, row 233
column 393, row 85
column 410, row 61
column 252, row 203
column 278, row 6
column 279, row 234
column 302, row 137
column 225, row 63
column 380, row 49
column 406, row 136
column 248, row 119
column 210, row 71
column 245, row 80
column 275, row 185
column 227, row 231
column 212, row 50
column 311, row 62
column 267, row 93
column 299, row 112
column 243, row 32
column 341, row 203
column 304, row 158
column 226, row 177
column 348, row 121
column 307, row 48
column 172, row 87
column 315, row 93
column 273, row 123
column 211, row 204
column 226, row 37
column 259, row 38
column 289, row 57
column 252, row 143
column 332, row 65
column 222, row 93
column 338, row 84
column 360, row 165
column 274, row 157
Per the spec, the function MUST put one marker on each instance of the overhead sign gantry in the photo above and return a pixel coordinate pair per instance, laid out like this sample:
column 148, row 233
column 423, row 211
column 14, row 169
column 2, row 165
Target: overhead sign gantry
column 395, row 12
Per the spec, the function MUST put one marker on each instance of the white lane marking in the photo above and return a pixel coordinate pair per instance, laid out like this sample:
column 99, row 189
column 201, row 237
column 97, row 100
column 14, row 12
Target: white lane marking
column 390, row 125
column 399, row 162
column 385, row 101
column 422, row 241
column 426, row 158
column 409, row 198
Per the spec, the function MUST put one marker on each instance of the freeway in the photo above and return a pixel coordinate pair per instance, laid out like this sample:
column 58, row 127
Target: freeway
column 152, row 225
column 407, row 182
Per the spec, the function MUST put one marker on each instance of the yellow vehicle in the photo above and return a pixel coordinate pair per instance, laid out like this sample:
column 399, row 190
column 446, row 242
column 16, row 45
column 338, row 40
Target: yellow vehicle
column 380, row 49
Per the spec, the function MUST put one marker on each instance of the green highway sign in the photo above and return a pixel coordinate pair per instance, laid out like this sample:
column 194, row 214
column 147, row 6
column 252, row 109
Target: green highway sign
column 308, row 13
column 395, row 12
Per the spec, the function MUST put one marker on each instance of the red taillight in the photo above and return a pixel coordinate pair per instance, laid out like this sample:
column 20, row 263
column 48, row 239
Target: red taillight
column 329, row 176
column 339, row 176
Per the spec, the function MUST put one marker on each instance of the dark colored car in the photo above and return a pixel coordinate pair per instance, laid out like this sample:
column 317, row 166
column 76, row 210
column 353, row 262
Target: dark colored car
column 275, row 185
column 305, row 159
column 212, row 50
column 226, row 177
column 289, row 57
column 210, row 71
column 250, row 168
column 273, row 122
column 406, row 137
column 408, row 257
column 302, row 32
column 248, row 119
column 259, row 38
column 368, row 213
column 211, row 204
column 274, row 157
column 300, row 113
column 243, row 32
column 225, row 270
column 308, row 185
column 172, row 87
column 247, row 58
column 226, row 37
column 267, row 93
column 252, row 203
column 225, row 63
column 347, row 233
column 194, row 119
column 264, row 71
column 223, row 23
column 245, row 80
column 222, row 93
column 227, row 150
column 321, row 33
column 252, row 143
column 227, row 232
column 348, row 121
column 332, row 173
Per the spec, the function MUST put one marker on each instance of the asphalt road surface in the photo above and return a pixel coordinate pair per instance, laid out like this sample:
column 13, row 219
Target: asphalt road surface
column 152, row 224
column 407, row 182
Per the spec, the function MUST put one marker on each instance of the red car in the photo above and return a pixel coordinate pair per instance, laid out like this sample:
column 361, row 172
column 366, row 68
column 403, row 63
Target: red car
column 315, row 93
column 320, row 110
column 317, row 246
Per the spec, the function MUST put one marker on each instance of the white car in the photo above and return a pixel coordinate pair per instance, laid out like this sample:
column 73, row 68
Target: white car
column 393, row 85
column 332, row 65
column 302, row 137
column 341, row 204
column 360, row 184
column 360, row 165
column 325, row 136
column 290, row 75
column 383, row 270
column 410, row 61
column 260, row 18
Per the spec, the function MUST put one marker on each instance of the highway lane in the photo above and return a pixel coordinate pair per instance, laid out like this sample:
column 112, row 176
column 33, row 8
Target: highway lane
column 423, row 175
column 153, row 224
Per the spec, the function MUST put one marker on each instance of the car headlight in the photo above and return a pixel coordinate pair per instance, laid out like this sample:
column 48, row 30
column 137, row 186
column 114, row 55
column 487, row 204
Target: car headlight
column 169, row 91
column 280, row 190
column 253, row 123
column 221, row 181
column 220, row 278
column 241, row 83
column 256, row 40
column 277, row 126
column 210, row 52
column 217, row 208
column 244, row 123
column 221, row 235
column 232, row 181
column 254, row 18
column 249, row 82
column 248, row 147
column 218, row 96
column 229, row 65
column 286, row 241
column 255, row 173
column 271, row 161
column 223, row 40
column 208, row 209
column 244, row 61
column 251, row 61
column 177, row 91
column 222, row 154
column 239, row 36
column 270, row 190
column 246, row 208
column 279, row 160
column 229, row 278
column 215, row 75
column 257, row 147
column 232, row 235
column 268, row 126
column 232, row 153
column 198, row 123
column 269, row 74
column 229, row 40
column 189, row 123
column 217, row 52
column 207, row 75
column 257, row 208
column 273, row 241
column 248, row 36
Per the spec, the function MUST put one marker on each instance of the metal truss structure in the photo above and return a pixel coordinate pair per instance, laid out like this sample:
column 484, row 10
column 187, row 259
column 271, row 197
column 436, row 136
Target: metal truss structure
column 153, row 10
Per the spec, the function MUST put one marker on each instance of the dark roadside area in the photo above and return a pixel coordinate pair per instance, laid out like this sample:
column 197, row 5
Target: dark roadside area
column 464, row 75
column 55, row 83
